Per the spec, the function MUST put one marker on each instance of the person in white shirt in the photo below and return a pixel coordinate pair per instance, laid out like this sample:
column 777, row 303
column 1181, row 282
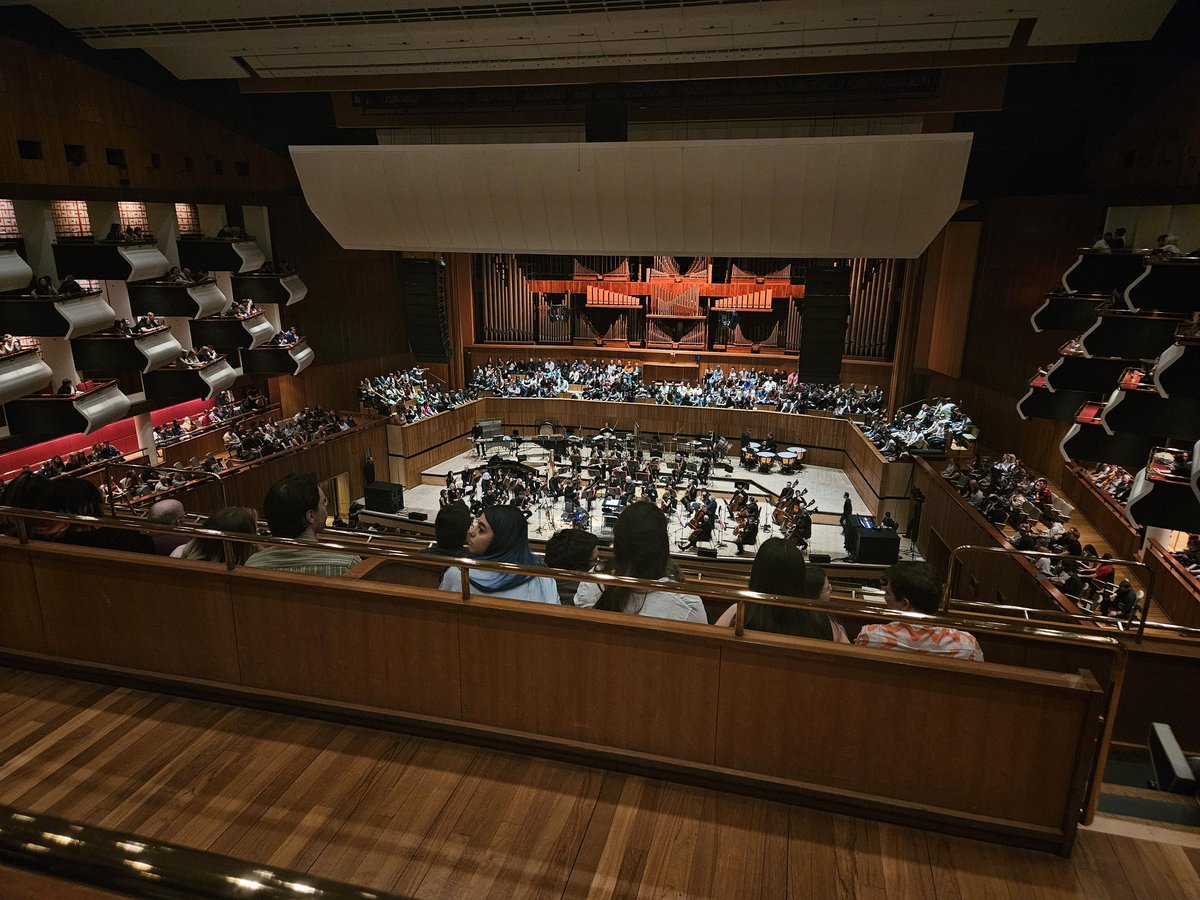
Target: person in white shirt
column 641, row 549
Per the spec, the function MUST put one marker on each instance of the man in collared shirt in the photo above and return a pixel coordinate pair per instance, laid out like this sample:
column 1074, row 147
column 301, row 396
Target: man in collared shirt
column 295, row 507
column 915, row 587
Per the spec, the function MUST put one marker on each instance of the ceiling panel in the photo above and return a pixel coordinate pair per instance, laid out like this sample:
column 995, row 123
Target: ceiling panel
column 882, row 196
column 280, row 38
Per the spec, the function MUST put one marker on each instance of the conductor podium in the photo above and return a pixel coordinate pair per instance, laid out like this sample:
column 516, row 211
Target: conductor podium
column 867, row 542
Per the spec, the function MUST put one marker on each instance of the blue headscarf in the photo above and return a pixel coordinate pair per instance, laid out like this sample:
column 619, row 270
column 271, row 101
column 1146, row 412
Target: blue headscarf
column 510, row 544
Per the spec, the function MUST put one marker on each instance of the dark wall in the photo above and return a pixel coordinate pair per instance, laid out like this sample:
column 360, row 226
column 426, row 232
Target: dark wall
column 1027, row 244
column 57, row 101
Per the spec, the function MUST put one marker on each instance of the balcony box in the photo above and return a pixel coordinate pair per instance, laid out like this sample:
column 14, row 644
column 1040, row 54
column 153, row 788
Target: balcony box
column 123, row 353
column 191, row 301
column 15, row 274
column 231, row 333
column 97, row 405
column 271, row 360
column 1102, row 272
column 110, row 262
column 281, row 289
column 22, row 373
column 63, row 316
column 1166, row 285
column 1067, row 312
column 178, row 382
column 1129, row 334
column 214, row 255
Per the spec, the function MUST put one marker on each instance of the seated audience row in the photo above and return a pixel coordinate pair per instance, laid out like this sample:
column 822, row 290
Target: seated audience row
column 935, row 426
column 409, row 395
column 623, row 383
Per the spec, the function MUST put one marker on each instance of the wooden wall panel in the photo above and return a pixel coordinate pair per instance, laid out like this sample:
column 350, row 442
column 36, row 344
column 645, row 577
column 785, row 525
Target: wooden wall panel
column 1161, row 684
column 1176, row 590
column 783, row 700
column 55, row 100
column 333, row 385
column 579, row 678
column 339, row 641
column 946, row 298
column 94, row 611
column 1028, row 242
column 354, row 310
column 19, row 609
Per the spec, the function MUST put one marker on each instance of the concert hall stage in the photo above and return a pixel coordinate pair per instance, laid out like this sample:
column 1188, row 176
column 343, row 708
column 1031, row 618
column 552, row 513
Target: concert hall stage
column 825, row 485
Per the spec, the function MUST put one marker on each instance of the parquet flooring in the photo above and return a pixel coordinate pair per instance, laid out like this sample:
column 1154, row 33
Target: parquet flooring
column 434, row 819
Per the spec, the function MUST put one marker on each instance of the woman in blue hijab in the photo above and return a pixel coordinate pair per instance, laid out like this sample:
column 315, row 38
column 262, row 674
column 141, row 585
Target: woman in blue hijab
column 501, row 534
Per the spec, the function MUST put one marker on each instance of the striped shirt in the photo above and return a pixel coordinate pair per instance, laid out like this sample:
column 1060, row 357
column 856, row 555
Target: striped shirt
column 921, row 639
column 304, row 561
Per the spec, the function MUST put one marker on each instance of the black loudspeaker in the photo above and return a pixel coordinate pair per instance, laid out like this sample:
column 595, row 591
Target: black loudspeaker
column 385, row 497
column 823, row 324
column 707, row 552
column 419, row 516
column 880, row 548
column 820, row 559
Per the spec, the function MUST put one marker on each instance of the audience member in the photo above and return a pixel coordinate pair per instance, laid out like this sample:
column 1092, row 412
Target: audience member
column 231, row 519
column 915, row 587
column 573, row 549
column 641, row 550
column 79, row 497
column 501, row 534
column 166, row 512
column 295, row 507
column 779, row 569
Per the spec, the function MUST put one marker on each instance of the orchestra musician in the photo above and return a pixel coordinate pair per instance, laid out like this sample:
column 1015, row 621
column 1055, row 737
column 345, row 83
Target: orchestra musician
column 801, row 531
column 702, row 529
column 738, row 500
column 747, row 528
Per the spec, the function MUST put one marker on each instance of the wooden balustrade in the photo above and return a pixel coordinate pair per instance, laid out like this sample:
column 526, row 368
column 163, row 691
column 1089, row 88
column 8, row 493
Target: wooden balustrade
column 804, row 720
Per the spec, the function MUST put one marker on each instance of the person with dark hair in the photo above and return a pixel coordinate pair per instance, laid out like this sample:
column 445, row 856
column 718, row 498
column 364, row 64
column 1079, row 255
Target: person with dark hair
column 295, row 507
column 780, row 569
column 916, row 587
column 233, row 519
column 79, row 497
column 641, row 549
column 23, row 492
column 574, row 549
column 501, row 534
column 450, row 529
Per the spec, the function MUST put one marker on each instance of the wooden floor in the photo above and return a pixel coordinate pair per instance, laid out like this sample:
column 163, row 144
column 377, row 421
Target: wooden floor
column 434, row 819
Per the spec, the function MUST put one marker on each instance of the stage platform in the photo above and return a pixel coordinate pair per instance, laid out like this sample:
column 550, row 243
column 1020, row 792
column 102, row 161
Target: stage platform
column 825, row 485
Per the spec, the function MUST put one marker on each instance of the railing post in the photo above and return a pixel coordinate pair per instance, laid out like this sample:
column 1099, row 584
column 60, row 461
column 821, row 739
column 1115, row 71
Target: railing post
column 739, row 619
column 465, row 587
column 227, row 549
column 22, row 531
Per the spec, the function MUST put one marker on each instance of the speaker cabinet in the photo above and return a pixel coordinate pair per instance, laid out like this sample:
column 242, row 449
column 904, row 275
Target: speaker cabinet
column 385, row 497
column 823, row 324
column 418, row 516
column 880, row 548
column 707, row 552
column 820, row 559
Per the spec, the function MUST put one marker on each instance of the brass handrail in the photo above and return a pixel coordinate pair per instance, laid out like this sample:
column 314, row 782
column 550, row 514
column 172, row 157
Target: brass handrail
column 710, row 590
column 193, row 474
column 141, row 867
column 963, row 549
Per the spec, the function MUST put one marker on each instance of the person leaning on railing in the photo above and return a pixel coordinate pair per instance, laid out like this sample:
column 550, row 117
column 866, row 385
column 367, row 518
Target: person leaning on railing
column 641, row 549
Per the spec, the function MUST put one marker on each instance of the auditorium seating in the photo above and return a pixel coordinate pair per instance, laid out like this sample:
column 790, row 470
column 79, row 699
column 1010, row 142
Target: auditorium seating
column 747, row 712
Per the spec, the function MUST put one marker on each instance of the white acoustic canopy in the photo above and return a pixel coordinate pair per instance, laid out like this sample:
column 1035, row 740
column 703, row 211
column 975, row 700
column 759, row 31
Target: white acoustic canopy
column 883, row 196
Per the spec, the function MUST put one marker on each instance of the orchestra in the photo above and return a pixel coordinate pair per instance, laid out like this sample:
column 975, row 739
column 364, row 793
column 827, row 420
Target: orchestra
column 602, row 474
